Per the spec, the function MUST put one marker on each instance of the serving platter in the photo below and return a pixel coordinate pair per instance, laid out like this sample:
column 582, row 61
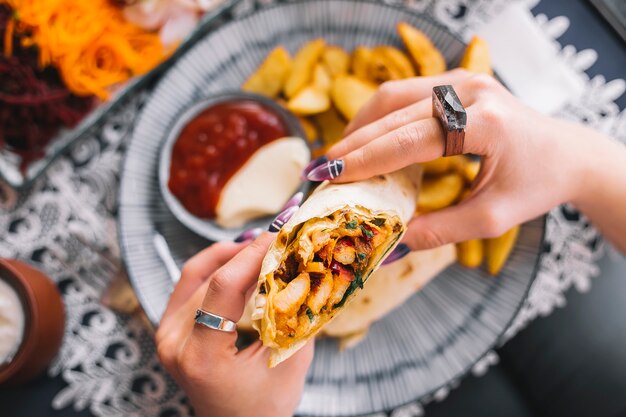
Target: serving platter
column 10, row 161
column 432, row 339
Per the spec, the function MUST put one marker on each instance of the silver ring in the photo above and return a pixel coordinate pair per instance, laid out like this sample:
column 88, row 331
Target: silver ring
column 215, row 322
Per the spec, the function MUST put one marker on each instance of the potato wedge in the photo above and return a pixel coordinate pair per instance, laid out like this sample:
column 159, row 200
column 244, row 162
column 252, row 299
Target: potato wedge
column 389, row 63
column 465, row 166
column 309, row 101
column 470, row 254
column 360, row 61
column 317, row 152
column 499, row 249
column 310, row 130
column 321, row 78
column 350, row 93
column 437, row 166
column 336, row 60
column 441, row 192
column 331, row 126
column 271, row 75
column 477, row 57
column 427, row 58
column 303, row 66
column 471, row 170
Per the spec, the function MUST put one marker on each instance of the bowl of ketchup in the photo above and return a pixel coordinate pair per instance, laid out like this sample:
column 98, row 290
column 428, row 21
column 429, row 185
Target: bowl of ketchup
column 208, row 145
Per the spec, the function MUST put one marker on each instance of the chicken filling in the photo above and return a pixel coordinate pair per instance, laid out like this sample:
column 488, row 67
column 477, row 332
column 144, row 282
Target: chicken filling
column 325, row 265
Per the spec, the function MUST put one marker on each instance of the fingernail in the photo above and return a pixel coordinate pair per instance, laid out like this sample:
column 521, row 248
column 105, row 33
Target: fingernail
column 312, row 165
column 293, row 201
column 249, row 234
column 398, row 253
column 327, row 171
column 282, row 218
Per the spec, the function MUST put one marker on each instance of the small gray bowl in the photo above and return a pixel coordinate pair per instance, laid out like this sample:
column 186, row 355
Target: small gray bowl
column 205, row 227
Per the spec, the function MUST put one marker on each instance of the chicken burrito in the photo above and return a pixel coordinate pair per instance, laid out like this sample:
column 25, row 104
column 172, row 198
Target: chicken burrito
column 323, row 256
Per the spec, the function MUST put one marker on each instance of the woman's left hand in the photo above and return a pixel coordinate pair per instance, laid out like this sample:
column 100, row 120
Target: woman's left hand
column 220, row 380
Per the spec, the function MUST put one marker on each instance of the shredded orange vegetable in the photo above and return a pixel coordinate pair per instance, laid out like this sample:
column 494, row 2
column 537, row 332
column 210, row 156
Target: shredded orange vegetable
column 88, row 41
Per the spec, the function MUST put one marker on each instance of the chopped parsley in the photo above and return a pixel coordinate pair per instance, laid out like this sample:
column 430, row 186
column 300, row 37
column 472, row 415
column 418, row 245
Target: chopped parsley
column 352, row 224
column 361, row 256
column 356, row 282
column 367, row 232
column 378, row 221
column 310, row 314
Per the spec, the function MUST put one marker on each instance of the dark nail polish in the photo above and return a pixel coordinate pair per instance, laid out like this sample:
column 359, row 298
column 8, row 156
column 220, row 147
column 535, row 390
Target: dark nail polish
column 293, row 201
column 312, row 165
column 327, row 171
column 398, row 253
column 282, row 218
column 249, row 234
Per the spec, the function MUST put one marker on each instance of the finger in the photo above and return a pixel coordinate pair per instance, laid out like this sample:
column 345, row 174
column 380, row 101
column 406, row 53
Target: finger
column 478, row 217
column 226, row 294
column 392, row 121
column 416, row 142
column 396, row 120
column 419, row 141
column 197, row 269
column 395, row 95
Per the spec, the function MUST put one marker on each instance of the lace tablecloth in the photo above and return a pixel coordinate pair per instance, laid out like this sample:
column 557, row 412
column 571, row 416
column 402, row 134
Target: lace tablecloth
column 66, row 226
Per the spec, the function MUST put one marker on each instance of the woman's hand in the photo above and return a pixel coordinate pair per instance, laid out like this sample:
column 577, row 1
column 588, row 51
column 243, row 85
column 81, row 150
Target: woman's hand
column 220, row 380
column 530, row 162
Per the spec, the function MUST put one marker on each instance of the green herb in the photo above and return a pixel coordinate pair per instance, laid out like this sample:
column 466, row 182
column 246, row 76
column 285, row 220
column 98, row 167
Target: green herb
column 352, row 224
column 378, row 221
column 310, row 314
column 356, row 282
column 361, row 256
column 324, row 308
column 367, row 232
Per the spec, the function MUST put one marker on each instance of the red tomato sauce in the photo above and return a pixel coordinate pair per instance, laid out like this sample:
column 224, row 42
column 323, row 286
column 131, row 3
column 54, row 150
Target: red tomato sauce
column 213, row 146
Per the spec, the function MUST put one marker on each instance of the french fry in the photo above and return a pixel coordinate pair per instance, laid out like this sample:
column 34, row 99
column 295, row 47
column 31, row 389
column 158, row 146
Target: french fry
column 331, row 126
column 389, row 63
column 309, row 101
column 271, row 75
column 427, row 58
column 438, row 193
column 470, row 253
column 336, row 60
column 321, row 78
column 349, row 94
column 310, row 131
column 477, row 57
column 303, row 65
column 360, row 61
column 499, row 249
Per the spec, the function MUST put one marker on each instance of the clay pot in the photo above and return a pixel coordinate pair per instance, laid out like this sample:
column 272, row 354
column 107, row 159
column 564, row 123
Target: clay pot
column 44, row 322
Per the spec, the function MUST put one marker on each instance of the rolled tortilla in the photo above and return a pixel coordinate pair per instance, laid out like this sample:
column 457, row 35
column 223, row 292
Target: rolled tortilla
column 387, row 289
column 325, row 253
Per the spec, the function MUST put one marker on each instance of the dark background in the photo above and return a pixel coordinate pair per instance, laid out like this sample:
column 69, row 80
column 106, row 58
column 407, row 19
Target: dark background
column 572, row 363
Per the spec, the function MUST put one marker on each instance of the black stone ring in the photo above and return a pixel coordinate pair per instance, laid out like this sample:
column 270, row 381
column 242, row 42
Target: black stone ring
column 448, row 109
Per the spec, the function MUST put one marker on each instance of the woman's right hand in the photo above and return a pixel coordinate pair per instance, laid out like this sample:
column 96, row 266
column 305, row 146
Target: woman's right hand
column 530, row 162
